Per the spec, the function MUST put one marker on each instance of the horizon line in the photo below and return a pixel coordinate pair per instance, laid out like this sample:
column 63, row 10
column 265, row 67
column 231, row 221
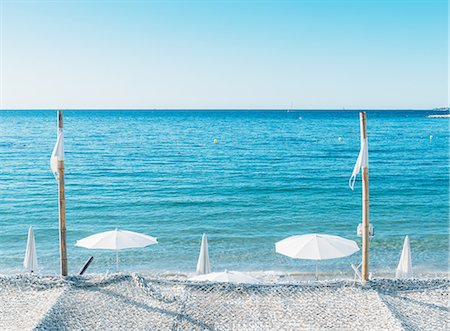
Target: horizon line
column 223, row 109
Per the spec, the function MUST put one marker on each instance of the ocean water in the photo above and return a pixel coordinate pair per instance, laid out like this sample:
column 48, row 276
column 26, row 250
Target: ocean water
column 270, row 174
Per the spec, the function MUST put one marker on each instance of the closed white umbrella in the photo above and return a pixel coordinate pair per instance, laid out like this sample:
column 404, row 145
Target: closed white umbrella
column 30, row 261
column 116, row 240
column 404, row 268
column 226, row 277
column 203, row 259
column 316, row 247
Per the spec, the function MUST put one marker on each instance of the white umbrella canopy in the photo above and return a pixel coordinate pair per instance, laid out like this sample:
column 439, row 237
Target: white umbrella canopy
column 203, row 266
column 116, row 240
column 226, row 277
column 404, row 268
column 316, row 247
column 30, row 261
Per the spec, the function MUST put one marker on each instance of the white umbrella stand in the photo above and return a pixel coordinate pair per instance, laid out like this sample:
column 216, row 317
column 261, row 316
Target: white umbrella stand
column 116, row 240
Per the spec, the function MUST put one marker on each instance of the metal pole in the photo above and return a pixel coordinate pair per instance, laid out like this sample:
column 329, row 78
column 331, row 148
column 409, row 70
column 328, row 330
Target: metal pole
column 62, row 206
column 117, row 260
column 365, row 207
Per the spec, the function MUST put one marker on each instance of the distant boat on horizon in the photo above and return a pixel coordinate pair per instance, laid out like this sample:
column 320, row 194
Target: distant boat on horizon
column 440, row 110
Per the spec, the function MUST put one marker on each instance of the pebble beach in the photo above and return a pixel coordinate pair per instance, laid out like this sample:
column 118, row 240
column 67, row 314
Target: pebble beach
column 172, row 302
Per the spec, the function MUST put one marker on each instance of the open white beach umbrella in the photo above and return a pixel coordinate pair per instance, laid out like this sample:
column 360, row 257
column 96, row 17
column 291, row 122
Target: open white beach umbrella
column 316, row 247
column 226, row 277
column 404, row 268
column 116, row 240
column 203, row 259
column 30, row 261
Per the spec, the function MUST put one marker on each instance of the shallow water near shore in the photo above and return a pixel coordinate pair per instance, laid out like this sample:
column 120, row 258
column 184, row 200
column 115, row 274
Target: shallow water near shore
column 269, row 175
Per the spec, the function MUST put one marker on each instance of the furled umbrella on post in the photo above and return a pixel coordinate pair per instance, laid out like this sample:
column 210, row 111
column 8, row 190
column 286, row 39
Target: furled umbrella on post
column 203, row 259
column 57, row 167
column 404, row 268
column 116, row 240
column 316, row 247
column 30, row 261
column 362, row 164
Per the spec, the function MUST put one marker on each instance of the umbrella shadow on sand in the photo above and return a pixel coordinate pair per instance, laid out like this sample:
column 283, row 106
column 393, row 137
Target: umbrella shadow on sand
column 178, row 316
column 76, row 312
column 416, row 302
column 394, row 301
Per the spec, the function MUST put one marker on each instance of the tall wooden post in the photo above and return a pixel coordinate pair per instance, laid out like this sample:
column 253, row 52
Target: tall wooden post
column 365, row 207
column 62, row 206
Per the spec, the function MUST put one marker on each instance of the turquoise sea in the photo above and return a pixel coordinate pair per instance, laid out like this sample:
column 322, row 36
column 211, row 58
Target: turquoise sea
column 270, row 174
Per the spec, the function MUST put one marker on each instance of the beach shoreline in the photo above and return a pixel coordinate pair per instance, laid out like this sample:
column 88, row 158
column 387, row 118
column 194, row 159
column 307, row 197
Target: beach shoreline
column 169, row 301
column 266, row 276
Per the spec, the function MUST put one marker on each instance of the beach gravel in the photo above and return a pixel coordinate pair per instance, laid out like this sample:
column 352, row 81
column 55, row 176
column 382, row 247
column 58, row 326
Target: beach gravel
column 136, row 302
column 25, row 299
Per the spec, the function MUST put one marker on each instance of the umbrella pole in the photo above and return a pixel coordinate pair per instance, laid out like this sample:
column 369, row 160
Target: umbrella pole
column 365, row 208
column 117, row 260
column 317, row 270
column 62, row 207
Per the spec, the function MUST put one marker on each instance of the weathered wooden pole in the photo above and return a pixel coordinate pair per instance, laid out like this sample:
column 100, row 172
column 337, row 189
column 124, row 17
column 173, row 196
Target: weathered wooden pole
column 62, row 205
column 365, row 205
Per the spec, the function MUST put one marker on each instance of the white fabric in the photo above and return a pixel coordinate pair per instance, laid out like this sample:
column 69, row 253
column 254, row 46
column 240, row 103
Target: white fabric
column 116, row 240
column 404, row 268
column 203, row 259
column 316, row 247
column 362, row 161
column 226, row 277
column 58, row 153
column 30, row 261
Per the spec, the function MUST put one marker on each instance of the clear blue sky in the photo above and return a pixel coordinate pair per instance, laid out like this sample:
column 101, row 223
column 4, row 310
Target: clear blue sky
column 224, row 54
